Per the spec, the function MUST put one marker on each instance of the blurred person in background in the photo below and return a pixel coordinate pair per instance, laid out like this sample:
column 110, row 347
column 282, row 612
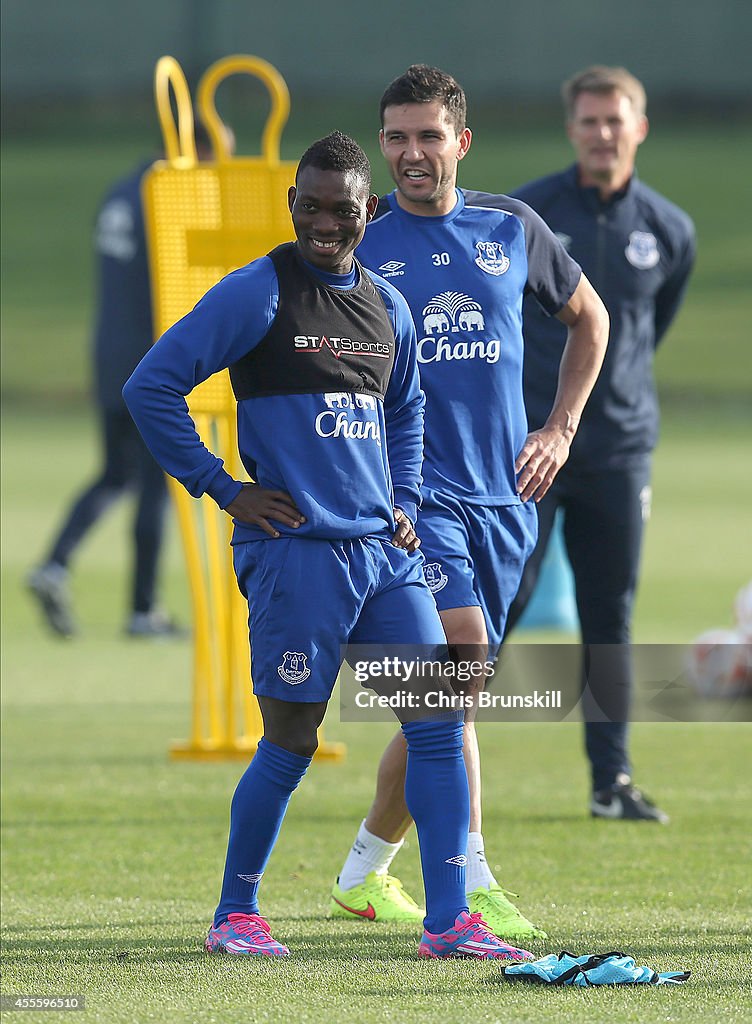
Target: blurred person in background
column 637, row 249
column 123, row 334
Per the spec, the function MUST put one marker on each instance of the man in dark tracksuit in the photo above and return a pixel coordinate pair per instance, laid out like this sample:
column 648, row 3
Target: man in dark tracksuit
column 637, row 248
column 123, row 335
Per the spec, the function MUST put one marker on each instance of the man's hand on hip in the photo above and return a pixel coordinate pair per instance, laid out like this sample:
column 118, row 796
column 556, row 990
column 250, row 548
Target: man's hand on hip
column 257, row 505
column 404, row 536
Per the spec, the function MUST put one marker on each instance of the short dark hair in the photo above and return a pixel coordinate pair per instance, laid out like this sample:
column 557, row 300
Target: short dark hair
column 337, row 152
column 603, row 80
column 422, row 83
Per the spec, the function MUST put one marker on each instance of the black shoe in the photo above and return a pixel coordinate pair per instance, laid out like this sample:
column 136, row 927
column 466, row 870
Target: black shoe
column 623, row 801
column 49, row 585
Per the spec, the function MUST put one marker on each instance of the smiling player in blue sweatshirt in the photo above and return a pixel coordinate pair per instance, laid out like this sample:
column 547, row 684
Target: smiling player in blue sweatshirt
column 323, row 364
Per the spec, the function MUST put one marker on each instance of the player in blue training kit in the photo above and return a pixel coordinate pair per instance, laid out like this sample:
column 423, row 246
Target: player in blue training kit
column 463, row 261
column 638, row 249
column 322, row 362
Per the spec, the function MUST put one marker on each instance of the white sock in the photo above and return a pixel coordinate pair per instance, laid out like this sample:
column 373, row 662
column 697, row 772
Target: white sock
column 368, row 853
column 477, row 872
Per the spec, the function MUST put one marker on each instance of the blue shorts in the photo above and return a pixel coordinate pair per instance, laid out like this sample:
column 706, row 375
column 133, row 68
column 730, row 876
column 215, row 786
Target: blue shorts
column 309, row 598
column 475, row 555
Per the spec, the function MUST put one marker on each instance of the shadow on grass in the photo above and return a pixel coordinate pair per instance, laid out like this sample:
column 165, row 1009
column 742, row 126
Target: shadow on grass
column 383, row 947
column 330, row 942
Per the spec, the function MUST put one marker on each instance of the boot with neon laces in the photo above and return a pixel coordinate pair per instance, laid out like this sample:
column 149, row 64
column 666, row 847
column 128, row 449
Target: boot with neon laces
column 381, row 897
column 244, row 935
column 501, row 916
column 470, row 937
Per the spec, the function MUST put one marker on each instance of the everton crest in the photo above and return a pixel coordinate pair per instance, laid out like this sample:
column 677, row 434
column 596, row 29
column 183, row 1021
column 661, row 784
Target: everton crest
column 294, row 668
column 435, row 577
column 491, row 258
column 642, row 250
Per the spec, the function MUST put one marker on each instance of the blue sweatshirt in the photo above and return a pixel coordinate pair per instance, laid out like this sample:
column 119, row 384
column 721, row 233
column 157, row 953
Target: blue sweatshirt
column 346, row 460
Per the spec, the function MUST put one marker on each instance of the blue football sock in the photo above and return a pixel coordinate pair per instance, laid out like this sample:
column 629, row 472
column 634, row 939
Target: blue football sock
column 256, row 814
column 437, row 797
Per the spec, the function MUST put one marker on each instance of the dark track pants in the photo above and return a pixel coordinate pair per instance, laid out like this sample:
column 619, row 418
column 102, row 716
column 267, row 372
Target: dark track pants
column 604, row 517
column 127, row 465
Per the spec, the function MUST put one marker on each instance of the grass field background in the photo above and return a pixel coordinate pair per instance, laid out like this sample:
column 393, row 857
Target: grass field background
column 112, row 854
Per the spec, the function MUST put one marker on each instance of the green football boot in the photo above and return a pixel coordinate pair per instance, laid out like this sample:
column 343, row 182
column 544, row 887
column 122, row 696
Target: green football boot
column 379, row 898
column 501, row 916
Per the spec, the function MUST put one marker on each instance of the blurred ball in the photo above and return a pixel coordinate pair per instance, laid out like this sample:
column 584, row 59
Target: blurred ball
column 719, row 664
column 743, row 609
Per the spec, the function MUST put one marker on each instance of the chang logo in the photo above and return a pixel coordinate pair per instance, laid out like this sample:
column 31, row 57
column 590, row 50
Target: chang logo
column 336, row 421
column 294, row 668
column 454, row 313
column 349, row 400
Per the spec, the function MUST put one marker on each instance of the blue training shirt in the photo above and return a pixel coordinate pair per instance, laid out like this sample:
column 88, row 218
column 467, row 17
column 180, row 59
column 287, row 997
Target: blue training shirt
column 464, row 276
column 330, row 456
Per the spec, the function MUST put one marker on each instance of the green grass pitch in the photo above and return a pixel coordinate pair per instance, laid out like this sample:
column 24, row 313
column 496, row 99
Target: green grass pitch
column 112, row 855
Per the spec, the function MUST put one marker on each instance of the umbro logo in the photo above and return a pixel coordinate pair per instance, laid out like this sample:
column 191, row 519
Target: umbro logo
column 460, row 861
column 251, row 878
column 392, row 268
